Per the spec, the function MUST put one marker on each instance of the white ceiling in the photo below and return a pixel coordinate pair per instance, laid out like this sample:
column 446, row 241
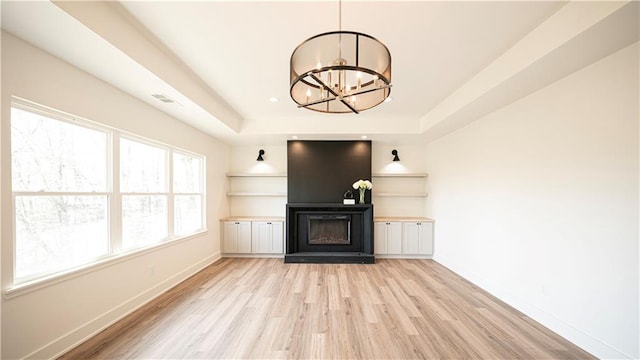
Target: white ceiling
column 221, row 61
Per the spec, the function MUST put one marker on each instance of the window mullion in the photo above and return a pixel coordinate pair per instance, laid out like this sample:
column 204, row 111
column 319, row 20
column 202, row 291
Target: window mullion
column 170, row 196
column 203, row 192
column 116, row 198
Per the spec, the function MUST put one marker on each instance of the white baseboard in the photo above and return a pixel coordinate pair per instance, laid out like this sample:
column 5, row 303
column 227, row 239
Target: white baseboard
column 590, row 344
column 81, row 334
column 400, row 256
column 254, row 256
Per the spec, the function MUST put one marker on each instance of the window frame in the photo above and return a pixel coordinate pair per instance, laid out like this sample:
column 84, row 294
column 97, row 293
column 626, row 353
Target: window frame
column 114, row 196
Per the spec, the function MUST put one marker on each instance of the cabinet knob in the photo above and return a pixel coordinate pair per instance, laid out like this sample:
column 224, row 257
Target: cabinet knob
column 237, row 223
column 268, row 223
column 419, row 223
column 388, row 223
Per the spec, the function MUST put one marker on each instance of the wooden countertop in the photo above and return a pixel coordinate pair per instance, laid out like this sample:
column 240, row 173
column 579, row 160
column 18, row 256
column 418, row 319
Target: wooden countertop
column 253, row 218
column 402, row 218
column 281, row 218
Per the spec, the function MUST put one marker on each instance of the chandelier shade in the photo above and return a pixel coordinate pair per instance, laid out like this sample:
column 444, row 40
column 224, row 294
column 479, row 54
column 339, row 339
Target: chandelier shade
column 340, row 72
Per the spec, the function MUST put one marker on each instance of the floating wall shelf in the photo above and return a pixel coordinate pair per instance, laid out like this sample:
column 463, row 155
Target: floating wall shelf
column 256, row 175
column 400, row 195
column 263, row 194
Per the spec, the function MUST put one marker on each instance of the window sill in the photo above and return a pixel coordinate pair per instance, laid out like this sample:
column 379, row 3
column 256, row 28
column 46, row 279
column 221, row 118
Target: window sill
column 33, row 285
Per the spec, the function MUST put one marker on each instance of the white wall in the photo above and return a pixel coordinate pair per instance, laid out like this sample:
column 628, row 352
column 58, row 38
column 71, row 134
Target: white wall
column 44, row 322
column 538, row 203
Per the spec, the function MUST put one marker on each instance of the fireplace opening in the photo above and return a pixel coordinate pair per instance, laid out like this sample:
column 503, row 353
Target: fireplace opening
column 329, row 230
column 329, row 233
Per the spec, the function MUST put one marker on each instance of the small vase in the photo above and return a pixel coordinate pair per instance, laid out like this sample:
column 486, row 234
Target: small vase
column 362, row 196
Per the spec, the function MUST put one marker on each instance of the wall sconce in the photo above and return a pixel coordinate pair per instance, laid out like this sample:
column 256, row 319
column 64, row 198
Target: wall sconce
column 394, row 152
column 260, row 153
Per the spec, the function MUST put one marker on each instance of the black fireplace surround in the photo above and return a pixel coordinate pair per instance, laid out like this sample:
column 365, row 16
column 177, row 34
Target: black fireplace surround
column 319, row 227
column 342, row 234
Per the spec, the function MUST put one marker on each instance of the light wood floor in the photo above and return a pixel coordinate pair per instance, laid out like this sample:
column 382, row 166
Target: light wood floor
column 263, row 308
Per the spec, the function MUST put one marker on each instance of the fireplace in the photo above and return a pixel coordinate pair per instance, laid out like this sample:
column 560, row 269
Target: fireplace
column 329, row 233
column 329, row 230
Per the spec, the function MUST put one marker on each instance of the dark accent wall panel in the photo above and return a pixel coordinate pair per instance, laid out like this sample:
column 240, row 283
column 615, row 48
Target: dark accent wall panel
column 321, row 171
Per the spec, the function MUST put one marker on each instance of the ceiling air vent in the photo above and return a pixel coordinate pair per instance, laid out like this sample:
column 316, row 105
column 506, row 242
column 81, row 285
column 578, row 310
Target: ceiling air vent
column 163, row 98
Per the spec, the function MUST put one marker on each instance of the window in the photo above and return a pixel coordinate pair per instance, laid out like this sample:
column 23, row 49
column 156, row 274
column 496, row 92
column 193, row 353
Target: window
column 143, row 177
column 60, row 202
column 64, row 201
column 187, row 188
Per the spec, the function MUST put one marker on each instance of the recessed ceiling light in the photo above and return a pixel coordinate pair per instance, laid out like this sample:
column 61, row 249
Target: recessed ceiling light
column 363, row 136
column 295, row 137
column 273, row 99
column 388, row 99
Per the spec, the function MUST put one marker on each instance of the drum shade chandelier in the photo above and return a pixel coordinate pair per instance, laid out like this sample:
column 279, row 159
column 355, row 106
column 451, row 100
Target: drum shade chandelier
column 340, row 72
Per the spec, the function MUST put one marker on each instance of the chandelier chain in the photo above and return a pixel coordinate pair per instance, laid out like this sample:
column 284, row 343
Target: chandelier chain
column 340, row 28
column 340, row 15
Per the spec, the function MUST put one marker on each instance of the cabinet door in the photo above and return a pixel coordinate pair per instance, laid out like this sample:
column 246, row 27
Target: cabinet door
column 230, row 237
column 425, row 247
column 244, row 237
column 387, row 237
column 236, row 237
column 411, row 238
column 380, row 237
column 277, row 237
column 260, row 236
column 418, row 238
column 394, row 237
column 266, row 237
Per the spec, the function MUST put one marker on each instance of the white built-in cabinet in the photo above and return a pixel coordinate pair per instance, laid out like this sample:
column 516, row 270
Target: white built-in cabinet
column 387, row 237
column 252, row 236
column 236, row 237
column 417, row 238
column 404, row 238
column 267, row 237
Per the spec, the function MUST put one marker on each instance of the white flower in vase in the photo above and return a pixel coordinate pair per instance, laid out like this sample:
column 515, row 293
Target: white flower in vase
column 362, row 185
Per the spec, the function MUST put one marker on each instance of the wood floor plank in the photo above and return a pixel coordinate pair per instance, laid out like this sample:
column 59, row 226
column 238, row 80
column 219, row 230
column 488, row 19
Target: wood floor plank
column 265, row 309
